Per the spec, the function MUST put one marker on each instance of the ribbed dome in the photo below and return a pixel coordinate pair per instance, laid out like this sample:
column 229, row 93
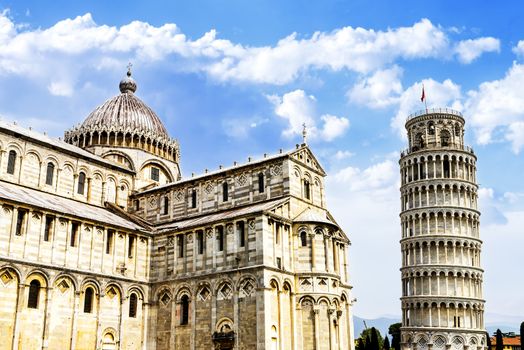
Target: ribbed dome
column 125, row 112
column 125, row 121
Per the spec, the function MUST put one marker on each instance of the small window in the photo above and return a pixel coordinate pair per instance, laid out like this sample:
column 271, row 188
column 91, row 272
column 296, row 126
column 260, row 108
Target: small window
column 137, row 205
column 166, row 205
column 11, row 162
column 261, row 183
column 88, row 300
column 131, row 246
column 34, row 292
column 241, row 233
column 81, row 183
column 21, row 222
column 193, row 199
column 180, row 246
column 307, row 190
column 109, row 242
column 225, row 192
column 75, row 228
column 200, row 240
column 431, row 129
column 133, row 302
column 49, row 174
column 303, row 239
column 49, row 226
column 220, row 238
column 445, row 138
column 155, row 174
column 277, row 233
column 184, row 310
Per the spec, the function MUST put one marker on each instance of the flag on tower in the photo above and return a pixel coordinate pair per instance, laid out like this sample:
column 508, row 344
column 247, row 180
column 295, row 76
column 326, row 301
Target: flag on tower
column 423, row 97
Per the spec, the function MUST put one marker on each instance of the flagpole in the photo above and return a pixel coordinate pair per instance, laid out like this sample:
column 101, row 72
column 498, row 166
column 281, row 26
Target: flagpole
column 425, row 99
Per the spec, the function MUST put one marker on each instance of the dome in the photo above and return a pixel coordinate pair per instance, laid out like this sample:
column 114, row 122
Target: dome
column 126, row 113
column 124, row 121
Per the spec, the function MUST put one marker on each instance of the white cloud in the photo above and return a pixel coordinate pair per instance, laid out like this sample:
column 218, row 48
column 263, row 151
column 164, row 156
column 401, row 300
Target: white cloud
column 240, row 127
column 519, row 49
column 499, row 105
column 42, row 53
column 340, row 155
column 379, row 90
column 297, row 109
column 471, row 49
column 379, row 176
column 333, row 126
column 60, row 88
column 438, row 94
column 365, row 201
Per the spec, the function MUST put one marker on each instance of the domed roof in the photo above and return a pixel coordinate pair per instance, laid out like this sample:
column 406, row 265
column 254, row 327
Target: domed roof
column 126, row 113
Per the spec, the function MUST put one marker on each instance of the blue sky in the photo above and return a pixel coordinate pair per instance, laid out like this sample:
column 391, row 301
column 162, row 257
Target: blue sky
column 233, row 79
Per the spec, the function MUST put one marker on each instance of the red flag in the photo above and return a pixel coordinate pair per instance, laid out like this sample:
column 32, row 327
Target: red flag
column 423, row 97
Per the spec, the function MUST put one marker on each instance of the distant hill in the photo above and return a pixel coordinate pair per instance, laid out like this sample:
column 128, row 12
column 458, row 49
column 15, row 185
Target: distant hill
column 382, row 324
column 504, row 323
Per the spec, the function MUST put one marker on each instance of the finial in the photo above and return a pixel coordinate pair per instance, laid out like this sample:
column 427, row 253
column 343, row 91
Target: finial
column 304, row 134
column 128, row 84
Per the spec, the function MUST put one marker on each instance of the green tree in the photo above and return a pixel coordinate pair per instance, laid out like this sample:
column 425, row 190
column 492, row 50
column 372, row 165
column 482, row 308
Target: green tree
column 394, row 331
column 374, row 339
column 368, row 341
column 386, row 343
column 499, row 345
column 360, row 344
column 488, row 341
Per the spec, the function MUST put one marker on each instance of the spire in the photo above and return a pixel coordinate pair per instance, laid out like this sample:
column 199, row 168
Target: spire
column 128, row 84
column 304, row 134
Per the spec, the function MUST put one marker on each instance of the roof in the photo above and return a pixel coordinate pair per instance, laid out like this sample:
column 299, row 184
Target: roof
column 125, row 113
column 225, row 215
column 234, row 167
column 311, row 215
column 62, row 205
column 13, row 128
column 509, row 341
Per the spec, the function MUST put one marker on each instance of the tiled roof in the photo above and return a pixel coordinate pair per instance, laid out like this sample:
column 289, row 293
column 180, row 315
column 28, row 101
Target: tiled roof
column 507, row 341
column 225, row 215
column 55, row 143
column 311, row 215
column 62, row 205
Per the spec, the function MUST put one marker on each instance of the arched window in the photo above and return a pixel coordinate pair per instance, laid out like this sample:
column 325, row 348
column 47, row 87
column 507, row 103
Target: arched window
column 307, row 190
column 11, row 162
column 81, row 182
column 445, row 138
column 431, row 128
column 419, row 141
column 50, row 173
column 34, row 291
column 184, row 310
column 303, row 239
column 225, row 190
column 193, row 199
column 133, row 301
column 261, row 183
column 88, row 300
column 457, row 129
column 166, row 205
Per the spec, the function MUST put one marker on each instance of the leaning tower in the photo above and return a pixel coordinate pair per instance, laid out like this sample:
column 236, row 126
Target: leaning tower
column 442, row 305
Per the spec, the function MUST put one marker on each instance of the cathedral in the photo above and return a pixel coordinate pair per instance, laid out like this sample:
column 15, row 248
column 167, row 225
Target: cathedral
column 105, row 245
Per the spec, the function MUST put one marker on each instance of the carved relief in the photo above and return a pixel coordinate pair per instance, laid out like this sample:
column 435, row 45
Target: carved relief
column 276, row 170
column 179, row 196
column 242, row 179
